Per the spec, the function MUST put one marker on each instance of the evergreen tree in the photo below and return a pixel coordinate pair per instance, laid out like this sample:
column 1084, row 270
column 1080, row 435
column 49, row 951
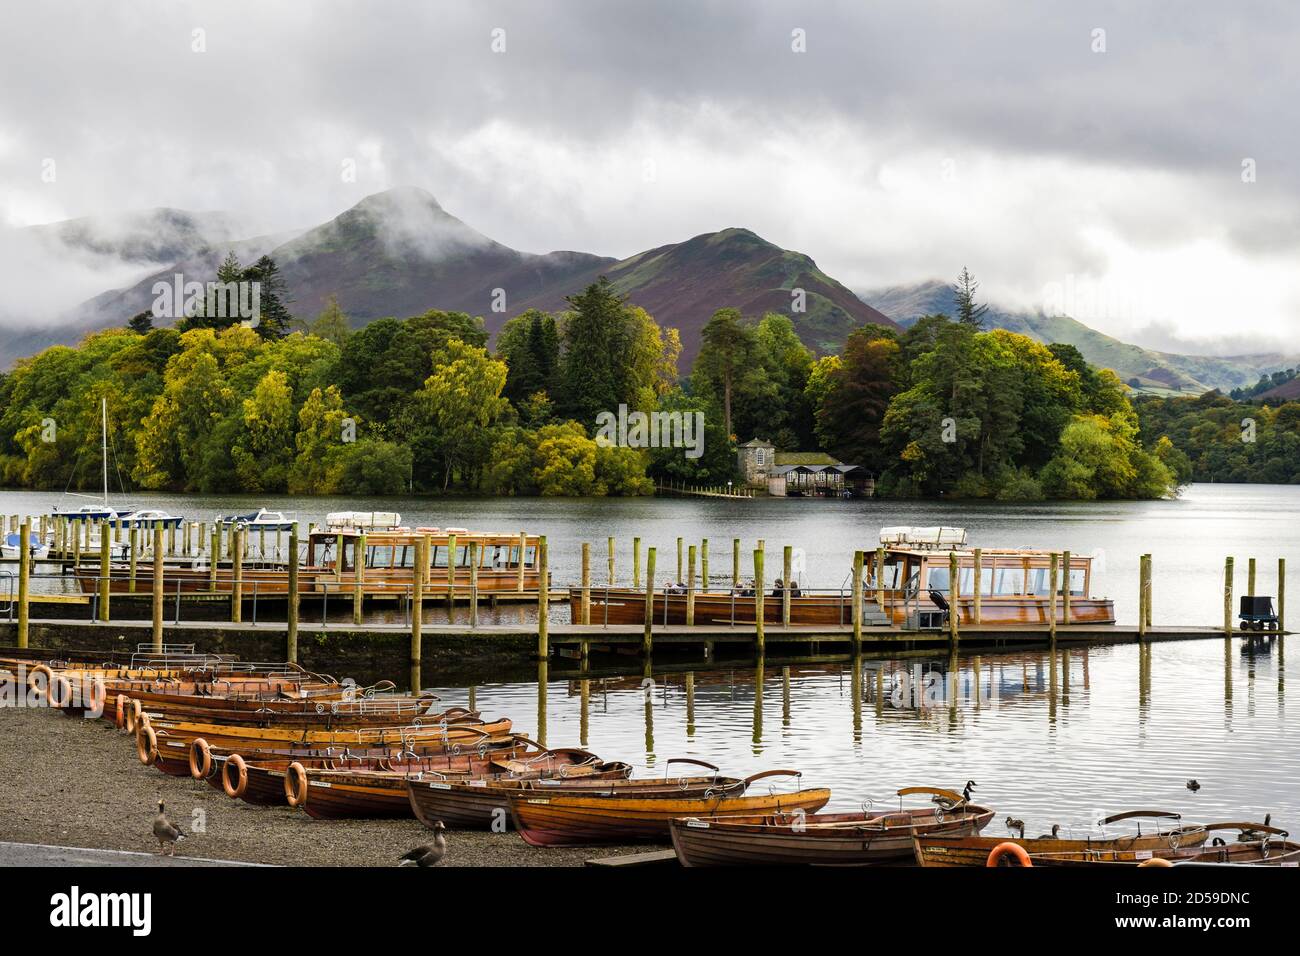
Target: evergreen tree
column 595, row 342
column 968, row 313
column 274, row 318
column 141, row 323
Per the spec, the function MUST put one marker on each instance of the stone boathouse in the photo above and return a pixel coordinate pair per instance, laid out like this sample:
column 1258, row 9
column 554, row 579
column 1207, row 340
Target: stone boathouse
column 801, row 473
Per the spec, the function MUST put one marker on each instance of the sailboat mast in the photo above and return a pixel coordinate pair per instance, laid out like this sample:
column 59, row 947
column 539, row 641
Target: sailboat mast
column 104, row 443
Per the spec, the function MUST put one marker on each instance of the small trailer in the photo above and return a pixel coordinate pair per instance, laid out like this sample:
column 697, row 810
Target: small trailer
column 1257, row 613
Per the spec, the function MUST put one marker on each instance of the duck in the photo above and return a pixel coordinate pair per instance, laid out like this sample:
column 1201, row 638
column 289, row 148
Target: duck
column 1014, row 824
column 166, row 833
column 430, row 854
column 1056, row 828
column 1193, row 785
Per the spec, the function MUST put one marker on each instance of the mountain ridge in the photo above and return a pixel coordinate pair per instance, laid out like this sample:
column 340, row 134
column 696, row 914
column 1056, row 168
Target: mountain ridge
column 1145, row 370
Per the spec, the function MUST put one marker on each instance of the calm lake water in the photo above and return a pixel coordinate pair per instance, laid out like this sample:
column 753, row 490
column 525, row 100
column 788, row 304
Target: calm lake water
column 1188, row 538
column 1060, row 738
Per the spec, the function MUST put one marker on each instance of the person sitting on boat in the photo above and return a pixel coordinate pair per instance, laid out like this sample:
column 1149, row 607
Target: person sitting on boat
column 748, row 590
column 778, row 588
column 794, row 589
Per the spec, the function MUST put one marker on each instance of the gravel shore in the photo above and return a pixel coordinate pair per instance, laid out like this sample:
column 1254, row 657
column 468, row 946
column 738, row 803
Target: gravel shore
column 76, row 782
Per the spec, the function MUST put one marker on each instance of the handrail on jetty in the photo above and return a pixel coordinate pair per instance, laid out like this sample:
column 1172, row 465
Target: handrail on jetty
column 702, row 491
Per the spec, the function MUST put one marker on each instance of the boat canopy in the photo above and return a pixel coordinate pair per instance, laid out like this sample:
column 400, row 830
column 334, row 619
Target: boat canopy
column 364, row 520
column 937, row 537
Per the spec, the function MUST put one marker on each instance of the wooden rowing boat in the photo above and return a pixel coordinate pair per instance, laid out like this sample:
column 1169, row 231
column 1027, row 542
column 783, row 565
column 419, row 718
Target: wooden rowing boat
column 346, row 793
column 1257, row 844
column 823, row 839
column 625, row 814
column 944, row 850
column 460, row 735
column 483, row 803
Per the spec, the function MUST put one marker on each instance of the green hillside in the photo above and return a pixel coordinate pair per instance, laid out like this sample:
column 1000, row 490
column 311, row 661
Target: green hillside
column 1147, row 370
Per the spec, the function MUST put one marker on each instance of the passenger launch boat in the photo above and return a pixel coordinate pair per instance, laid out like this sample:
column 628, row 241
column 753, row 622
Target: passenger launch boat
column 913, row 590
column 505, row 563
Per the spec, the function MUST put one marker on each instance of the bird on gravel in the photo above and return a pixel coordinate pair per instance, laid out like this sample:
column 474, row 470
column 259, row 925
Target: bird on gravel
column 1193, row 785
column 429, row 854
column 166, row 833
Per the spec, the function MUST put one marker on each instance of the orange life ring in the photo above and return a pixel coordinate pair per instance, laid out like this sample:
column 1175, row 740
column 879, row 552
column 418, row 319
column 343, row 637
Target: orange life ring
column 1014, row 850
column 200, row 759
column 97, row 697
column 40, row 689
column 146, row 743
column 134, row 714
column 234, row 790
column 295, row 784
column 60, row 692
column 119, row 718
column 1156, row 861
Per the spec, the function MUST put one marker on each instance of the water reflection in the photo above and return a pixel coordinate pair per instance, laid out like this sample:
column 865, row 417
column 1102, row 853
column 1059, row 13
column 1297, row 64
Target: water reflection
column 1046, row 734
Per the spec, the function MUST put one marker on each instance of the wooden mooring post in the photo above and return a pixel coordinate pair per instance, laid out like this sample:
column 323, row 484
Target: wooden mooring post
column 105, row 569
column 417, row 609
column 543, row 600
column 523, row 553
column 704, row 564
column 452, row 551
column 1065, row 588
column 1281, row 594
column 135, row 541
column 954, row 606
column 979, row 586
column 157, row 603
column 858, row 558
column 473, row 584
column 786, row 562
column 1052, row 578
column 214, row 551
column 636, row 562
column 358, row 579
column 1142, row 597
column 584, row 605
column 735, row 562
column 647, row 641
column 237, row 573
column 760, row 641
column 1250, row 577
column 610, row 578
column 691, row 555
column 291, row 612
column 678, row 579
column 1227, row 597
column 24, row 573
column 1150, row 569
column 880, row 577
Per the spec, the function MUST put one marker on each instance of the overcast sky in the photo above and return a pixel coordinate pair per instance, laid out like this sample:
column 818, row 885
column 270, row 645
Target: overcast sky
column 905, row 141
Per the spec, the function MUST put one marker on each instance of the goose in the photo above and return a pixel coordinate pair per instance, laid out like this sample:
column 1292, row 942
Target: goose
column 1056, row 828
column 429, row 854
column 947, row 803
column 1193, row 785
column 1254, row 836
column 166, row 833
column 1014, row 824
